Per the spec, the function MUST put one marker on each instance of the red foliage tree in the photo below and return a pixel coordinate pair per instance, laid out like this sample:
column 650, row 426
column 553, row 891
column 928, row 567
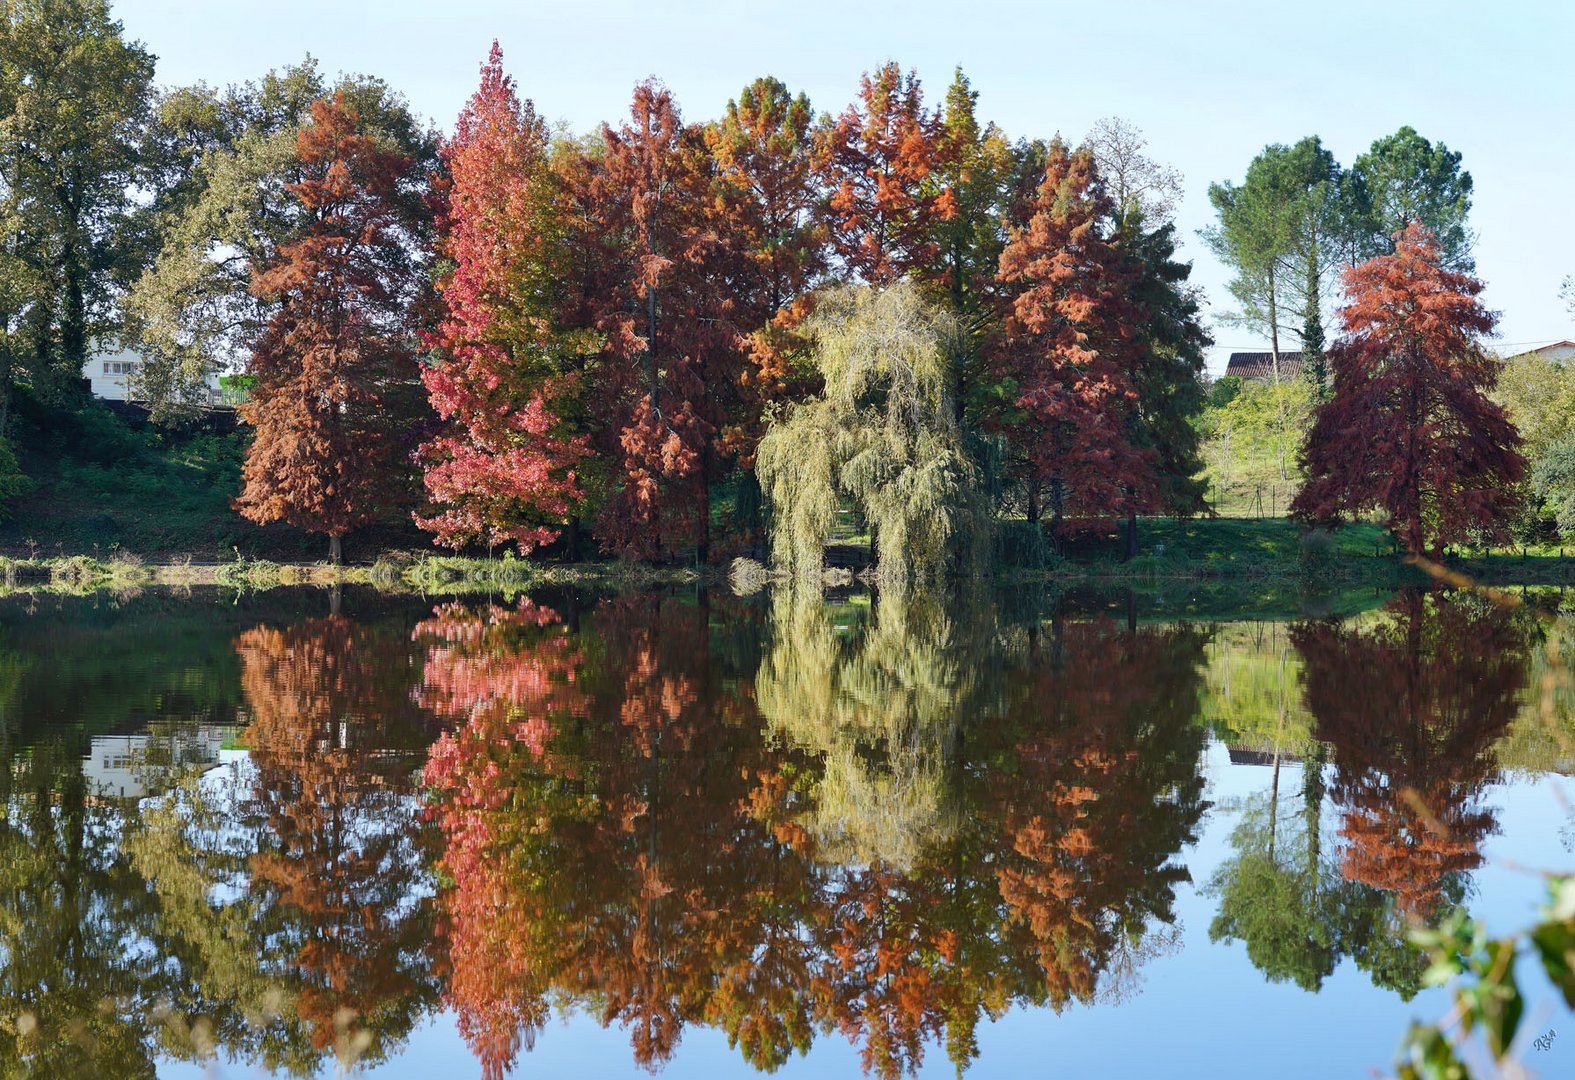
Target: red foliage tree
column 335, row 366
column 504, row 468
column 768, row 215
column 1410, row 429
column 1065, row 355
column 335, row 740
column 876, row 159
column 654, row 289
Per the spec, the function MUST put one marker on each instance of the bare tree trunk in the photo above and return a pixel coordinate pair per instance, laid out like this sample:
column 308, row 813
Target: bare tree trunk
column 335, row 551
column 1132, row 526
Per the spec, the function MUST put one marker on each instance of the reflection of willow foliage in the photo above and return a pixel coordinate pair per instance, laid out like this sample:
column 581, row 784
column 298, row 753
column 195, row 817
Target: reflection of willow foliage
column 1282, row 894
column 1412, row 706
column 884, row 434
column 646, row 852
column 881, row 708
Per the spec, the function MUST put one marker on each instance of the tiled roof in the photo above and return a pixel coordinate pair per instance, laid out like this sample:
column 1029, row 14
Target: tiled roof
column 1260, row 365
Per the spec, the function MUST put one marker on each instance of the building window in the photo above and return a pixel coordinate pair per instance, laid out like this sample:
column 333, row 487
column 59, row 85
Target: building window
column 120, row 367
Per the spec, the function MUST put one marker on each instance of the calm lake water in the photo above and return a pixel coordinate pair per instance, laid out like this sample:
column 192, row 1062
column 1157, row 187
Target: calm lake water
column 593, row 836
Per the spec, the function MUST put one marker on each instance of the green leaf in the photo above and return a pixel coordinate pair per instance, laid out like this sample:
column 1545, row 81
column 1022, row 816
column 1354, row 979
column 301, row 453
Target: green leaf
column 1555, row 943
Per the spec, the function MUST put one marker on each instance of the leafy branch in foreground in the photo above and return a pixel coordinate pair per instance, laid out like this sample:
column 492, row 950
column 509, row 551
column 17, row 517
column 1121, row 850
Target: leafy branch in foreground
column 1488, row 999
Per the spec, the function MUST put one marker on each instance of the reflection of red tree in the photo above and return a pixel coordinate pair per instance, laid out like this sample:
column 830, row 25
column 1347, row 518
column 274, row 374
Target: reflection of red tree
column 330, row 704
column 1412, row 707
column 626, row 837
column 504, row 677
column 1106, row 790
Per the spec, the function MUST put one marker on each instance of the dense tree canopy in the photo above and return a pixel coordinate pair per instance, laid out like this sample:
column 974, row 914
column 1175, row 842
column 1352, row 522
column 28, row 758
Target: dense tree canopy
column 74, row 101
column 1410, row 429
column 336, row 359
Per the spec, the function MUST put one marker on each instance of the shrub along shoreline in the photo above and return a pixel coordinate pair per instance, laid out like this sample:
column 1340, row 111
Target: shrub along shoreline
column 1271, row 550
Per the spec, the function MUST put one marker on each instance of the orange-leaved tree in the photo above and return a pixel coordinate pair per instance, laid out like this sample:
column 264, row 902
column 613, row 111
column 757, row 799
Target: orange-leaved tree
column 335, row 366
column 1064, row 356
column 1410, row 429
column 876, row 160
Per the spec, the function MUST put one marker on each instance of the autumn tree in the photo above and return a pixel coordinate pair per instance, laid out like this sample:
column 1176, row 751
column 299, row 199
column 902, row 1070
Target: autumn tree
column 876, row 160
column 1412, row 706
column 768, row 210
column 768, row 216
column 335, row 365
column 653, row 286
column 1410, row 429
column 507, row 380
column 220, row 167
column 335, row 738
column 1065, row 355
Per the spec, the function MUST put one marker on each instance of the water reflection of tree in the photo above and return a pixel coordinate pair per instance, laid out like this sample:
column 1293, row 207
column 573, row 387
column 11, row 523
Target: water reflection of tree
column 1411, row 706
column 292, row 893
column 76, row 990
column 656, row 849
column 1410, row 703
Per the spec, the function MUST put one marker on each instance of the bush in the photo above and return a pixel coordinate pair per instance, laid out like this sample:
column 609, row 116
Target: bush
column 1316, row 552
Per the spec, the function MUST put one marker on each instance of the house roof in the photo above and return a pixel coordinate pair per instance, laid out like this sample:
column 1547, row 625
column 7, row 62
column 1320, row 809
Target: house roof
column 1260, row 365
column 1546, row 348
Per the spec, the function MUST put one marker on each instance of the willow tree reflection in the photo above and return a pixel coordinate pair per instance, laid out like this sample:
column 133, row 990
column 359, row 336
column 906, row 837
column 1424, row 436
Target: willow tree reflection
column 900, row 824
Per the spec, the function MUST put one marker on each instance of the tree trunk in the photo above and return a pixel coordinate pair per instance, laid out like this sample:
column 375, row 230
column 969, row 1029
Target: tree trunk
column 335, row 550
column 703, row 511
column 1132, row 528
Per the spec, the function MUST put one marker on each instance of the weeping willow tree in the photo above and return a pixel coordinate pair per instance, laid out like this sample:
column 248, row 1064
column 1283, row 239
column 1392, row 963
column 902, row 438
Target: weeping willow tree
column 883, row 435
column 882, row 707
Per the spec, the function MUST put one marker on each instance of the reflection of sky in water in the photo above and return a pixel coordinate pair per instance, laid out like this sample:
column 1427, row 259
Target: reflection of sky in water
column 1203, row 1012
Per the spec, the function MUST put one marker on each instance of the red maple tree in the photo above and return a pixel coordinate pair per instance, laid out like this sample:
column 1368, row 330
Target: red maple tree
column 335, row 366
column 1410, row 429
column 507, row 382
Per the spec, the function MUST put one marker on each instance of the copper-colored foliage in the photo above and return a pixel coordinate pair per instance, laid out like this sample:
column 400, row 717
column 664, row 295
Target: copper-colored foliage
column 335, row 365
column 1410, row 429
column 342, row 849
column 1069, row 343
column 619, row 830
column 1411, row 707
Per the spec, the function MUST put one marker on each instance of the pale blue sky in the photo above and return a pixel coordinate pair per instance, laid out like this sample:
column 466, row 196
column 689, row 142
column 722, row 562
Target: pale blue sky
column 1210, row 83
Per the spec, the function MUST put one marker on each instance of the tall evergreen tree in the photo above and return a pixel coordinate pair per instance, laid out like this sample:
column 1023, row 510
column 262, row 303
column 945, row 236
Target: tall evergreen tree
column 1404, row 178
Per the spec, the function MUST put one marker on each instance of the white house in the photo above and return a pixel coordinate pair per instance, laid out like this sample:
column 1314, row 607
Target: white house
column 110, row 366
column 1560, row 352
column 134, row 766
